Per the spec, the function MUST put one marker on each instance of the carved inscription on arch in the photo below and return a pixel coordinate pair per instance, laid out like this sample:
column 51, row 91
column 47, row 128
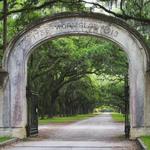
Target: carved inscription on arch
column 65, row 26
column 85, row 26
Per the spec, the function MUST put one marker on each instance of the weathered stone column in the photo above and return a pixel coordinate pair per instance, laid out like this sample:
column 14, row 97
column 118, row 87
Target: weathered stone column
column 4, row 106
column 147, row 104
column 145, row 129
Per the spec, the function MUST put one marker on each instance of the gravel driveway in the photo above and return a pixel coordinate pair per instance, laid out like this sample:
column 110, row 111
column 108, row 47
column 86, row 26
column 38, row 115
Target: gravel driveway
column 97, row 133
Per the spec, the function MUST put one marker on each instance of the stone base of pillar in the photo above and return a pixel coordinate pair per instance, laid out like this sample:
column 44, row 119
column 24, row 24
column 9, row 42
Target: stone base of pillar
column 14, row 132
column 19, row 133
column 137, row 132
column 5, row 131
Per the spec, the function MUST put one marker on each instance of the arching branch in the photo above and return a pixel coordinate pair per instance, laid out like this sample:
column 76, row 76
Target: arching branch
column 122, row 16
column 97, row 5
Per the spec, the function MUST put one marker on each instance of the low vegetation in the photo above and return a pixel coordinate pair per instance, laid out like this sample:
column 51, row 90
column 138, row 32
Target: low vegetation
column 4, row 138
column 146, row 140
column 118, row 117
column 65, row 119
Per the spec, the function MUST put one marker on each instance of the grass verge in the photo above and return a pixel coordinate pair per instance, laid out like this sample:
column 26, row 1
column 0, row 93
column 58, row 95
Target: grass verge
column 118, row 117
column 4, row 138
column 146, row 141
column 65, row 119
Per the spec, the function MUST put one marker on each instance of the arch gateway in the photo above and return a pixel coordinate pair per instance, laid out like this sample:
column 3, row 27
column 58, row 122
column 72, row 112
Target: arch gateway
column 13, row 76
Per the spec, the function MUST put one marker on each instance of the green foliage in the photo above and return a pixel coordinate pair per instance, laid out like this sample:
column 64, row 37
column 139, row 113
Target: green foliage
column 76, row 74
column 146, row 140
column 5, row 138
column 137, row 8
column 22, row 12
column 80, row 96
column 104, row 108
column 112, row 92
column 65, row 119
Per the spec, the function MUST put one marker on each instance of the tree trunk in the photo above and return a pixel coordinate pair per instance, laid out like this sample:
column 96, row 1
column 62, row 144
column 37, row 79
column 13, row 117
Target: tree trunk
column 52, row 110
column 5, row 9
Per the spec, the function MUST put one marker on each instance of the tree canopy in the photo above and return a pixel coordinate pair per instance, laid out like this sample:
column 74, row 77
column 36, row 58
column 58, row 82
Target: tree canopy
column 15, row 14
column 70, row 71
column 75, row 74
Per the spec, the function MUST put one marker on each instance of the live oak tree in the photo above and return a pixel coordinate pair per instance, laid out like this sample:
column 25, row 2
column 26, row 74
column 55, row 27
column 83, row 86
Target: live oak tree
column 17, row 13
column 59, row 70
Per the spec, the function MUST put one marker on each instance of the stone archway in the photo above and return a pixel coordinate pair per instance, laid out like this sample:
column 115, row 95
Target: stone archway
column 13, row 110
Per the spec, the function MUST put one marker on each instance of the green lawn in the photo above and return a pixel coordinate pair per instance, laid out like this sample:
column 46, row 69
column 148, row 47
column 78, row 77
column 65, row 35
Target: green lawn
column 146, row 141
column 4, row 138
column 118, row 117
column 65, row 119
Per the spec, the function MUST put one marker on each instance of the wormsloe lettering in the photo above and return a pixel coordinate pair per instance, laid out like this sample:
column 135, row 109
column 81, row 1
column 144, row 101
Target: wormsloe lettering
column 90, row 27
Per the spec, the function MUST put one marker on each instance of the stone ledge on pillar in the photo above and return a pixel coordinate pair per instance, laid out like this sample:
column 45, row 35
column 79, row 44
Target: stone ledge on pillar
column 19, row 132
column 13, row 132
column 138, row 132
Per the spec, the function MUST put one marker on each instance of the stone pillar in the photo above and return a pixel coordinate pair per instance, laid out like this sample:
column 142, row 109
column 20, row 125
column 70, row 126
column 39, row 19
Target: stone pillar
column 147, row 104
column 4, row 106
column 145, row 129
column 6, row 126
column 147, row 100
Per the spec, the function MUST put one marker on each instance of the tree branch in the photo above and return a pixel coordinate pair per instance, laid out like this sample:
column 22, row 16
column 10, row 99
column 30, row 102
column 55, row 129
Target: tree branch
column 46, row 4
column 97, row 5
column 74, row 78
column 124, row 16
